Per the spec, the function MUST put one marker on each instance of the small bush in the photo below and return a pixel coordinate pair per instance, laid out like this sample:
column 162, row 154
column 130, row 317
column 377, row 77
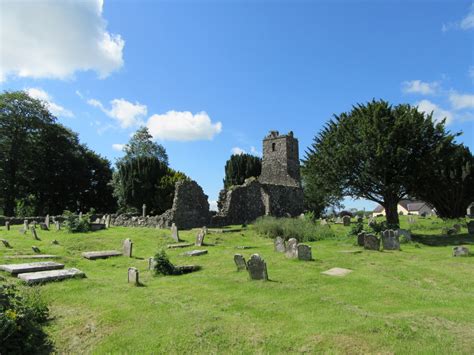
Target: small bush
column 163, row 265
column 22, row 315
column 356, row 229
column 303, row 230
column 74, row 224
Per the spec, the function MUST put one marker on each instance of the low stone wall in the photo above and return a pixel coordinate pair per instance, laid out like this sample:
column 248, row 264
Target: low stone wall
column 20, row 220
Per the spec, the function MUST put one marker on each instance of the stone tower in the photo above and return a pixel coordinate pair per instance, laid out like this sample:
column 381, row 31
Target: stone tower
column 280, row 164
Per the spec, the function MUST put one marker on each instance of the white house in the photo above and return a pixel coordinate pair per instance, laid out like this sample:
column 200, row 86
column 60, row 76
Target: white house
column 407, row 207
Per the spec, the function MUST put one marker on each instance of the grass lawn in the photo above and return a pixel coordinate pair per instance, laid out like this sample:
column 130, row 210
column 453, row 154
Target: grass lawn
column 418, row 300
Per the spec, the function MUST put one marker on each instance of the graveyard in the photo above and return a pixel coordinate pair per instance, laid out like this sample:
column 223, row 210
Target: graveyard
column 416, row 299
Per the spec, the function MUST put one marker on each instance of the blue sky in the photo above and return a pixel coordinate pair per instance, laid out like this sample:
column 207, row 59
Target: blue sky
column 210, row 77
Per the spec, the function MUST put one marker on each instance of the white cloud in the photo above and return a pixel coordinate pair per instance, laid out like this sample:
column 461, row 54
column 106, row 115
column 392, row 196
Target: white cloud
column 53, row 107
column 465, row 24
column 419, row 87
column 237, row 151
column 461, row 101
column 438, row 113
column 213, row 205
column 118, row 147
column 128, row 114
column 183, row 126
column 54, row 39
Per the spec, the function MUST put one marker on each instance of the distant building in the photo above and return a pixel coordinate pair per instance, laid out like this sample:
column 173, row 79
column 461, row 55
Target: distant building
column 408, row 207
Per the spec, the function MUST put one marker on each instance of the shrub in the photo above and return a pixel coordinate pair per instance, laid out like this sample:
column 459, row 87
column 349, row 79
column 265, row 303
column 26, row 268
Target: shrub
column 163, row 265
column 22, row 315
column 304, row 230
column 356, row 229
column 74, row 224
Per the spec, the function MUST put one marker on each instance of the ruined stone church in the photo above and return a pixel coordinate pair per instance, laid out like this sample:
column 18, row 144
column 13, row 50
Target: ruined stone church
column 276, row 192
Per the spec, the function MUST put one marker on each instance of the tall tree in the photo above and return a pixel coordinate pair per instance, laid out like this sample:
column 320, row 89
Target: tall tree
column 374, row 152
column 141, row 145
column 240, row 167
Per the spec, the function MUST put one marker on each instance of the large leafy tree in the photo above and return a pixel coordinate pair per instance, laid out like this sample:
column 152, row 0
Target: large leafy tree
column 240, row 167
column 375, row 151
column 142, row 145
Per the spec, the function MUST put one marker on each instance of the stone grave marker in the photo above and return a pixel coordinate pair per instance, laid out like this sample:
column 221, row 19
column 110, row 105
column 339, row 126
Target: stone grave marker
column 346, row 220
column 460, row 251
column 104, row 254
column 7, row 224
column 174, row 233
column 239, row 261
column 44, row 227
column 470, row 227
column 36, row 249
column 35, row 224
column 360, row 239
column 179, row 245
column 200, row 238
column 107, row 221
column 257, row 268
column 204, row 230
column 16, row 269
column 5, row 243
column 36, row 256
column 58, row 225
column 46, row 221
column 304, row 252
column 194, row 253
column 457, row 227
column 127, row 247
column 26, row 225
column 51, row 275
column 371, row 242
column 279, row 244
column 390, row 240
column 151, row 263
column 337, row 271
column 133, row 276
column 33, row 232
column 403, row 233
column 291, row 250
column 144, row 211
column 323, row 222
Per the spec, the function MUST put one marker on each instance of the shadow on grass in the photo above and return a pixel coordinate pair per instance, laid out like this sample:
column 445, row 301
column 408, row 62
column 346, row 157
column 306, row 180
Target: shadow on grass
column 443, row 240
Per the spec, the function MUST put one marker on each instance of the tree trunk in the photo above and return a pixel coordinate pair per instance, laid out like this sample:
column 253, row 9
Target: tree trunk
column 391, row 212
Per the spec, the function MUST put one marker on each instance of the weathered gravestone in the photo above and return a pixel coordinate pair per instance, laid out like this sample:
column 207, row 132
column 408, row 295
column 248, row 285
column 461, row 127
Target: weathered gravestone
column 151, row 263
column 346, row 220
column 257, row 268
column 291, row 250
column 7, row 224
column 390, row 240
column 46, row 221
column 403, row 234
column 200, row 238
column 103, row 254
column 279, row 244
column 371, row 242
column 204, row 230
column 127, row 247
column 44, row 227
column 107, row 221
column 53, row 275
column 144, row 211
column 470, row 227
column 323, row 222
column 240, row 262
column 36, row 249
column 5, row 243
column 33, row 232
column 174, row 233
column 194, row 252
column 337, row 271
column 16, row 269
column 360, row 239
column 133, row 276
column 304, row 252
column 26, row 225
column 58, row 225
column 460, row 251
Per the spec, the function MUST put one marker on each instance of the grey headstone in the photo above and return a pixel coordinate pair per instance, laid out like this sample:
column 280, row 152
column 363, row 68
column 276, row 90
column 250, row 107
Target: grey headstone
column 324, row 222
column 33, row 232
column 390, row 240
column 346, row 220
column 179, row 245
column 144, row 211
column 240, row 262
column 204, row 230
column 151, row 263
column 107, row 221
column 5, row 243
column 36, row 249
column 174, row 233
column 80, row 215
column 37, row 256
column 403, row 233
column 371, row 242
column 133, row 276
column 257, row 268
column 46, row 221
column 103, row 254
column 460, row 251
column 7, row 224
column 279, row 245
column 15, row 269
column 44, row 227
column 127, row 247
column 26, row 225
column 360, row 239
column 58, row 225
column 337, row 271
column 195, row 252
column 291, row 250
column 304, row 252
column 200, row 238
column 470, row 227
column 52, row 275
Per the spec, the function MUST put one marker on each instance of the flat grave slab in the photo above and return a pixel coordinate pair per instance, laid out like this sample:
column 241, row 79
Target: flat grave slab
column 243, row 247
column 350, row 251
column 104, row 254
column 337, row 271
column 43, row 256
column 195, row 253
column 52, row 275
column 179, row 245
column 15, row 269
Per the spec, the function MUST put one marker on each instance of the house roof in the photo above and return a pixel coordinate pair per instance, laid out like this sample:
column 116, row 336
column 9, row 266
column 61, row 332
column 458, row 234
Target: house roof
column 409, row 205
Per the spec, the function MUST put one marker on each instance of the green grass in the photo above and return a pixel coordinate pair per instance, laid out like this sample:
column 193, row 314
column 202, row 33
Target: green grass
column 418, row 300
